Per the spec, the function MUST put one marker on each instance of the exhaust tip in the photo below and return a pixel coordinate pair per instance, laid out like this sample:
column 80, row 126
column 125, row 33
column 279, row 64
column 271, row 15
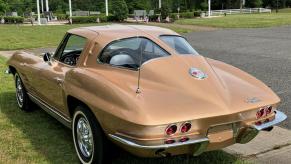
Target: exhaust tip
column 162, row 153
column 268, row 129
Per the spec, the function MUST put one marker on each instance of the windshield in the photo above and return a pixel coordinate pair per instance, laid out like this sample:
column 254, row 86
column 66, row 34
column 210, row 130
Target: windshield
column 179, row 44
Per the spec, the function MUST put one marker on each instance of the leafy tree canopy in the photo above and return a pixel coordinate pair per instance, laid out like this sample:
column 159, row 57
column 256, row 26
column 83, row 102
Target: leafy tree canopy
column 120, row 10
column 3, row 7
column 60, row 6
column 254, row 3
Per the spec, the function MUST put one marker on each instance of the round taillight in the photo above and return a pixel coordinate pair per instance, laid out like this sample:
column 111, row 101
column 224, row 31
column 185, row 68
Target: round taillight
column 267, row 120
column 170, row 141
column 269, row 110
column 184, row 139
column 186, row 127
column 260, row 113
column 258, row 123
column 171, row 129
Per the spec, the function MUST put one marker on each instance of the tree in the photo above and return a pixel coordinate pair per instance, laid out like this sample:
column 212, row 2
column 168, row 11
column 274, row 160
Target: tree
column 60, row 6
column 3, row 7
column 254, row 3
column 119, row 9
column 273, row 3
column 204, row 5
column 165, row 11
column 138, row 5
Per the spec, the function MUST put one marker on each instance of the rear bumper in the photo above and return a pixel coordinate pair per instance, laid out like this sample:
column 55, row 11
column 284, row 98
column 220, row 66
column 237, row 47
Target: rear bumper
column 279, row 117
column 198, row 145
column 194, row 147
column 164, row 146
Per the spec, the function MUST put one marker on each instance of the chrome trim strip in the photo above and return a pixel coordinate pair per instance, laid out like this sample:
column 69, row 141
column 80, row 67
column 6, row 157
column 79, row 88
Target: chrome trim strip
column 279, row 117
column 164, row 146
column 51, row 111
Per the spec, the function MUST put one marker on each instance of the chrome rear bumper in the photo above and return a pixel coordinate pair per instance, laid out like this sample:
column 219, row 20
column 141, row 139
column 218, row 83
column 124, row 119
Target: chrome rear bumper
column 164, row 146
column 201, row 145
column 279, row 117
column 246, row 135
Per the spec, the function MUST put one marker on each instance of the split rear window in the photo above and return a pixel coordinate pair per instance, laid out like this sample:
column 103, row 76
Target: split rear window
column 179, row 44
column 131, row 52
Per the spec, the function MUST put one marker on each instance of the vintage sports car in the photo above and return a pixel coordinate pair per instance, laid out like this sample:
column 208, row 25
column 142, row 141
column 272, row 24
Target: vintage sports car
column 145, row 89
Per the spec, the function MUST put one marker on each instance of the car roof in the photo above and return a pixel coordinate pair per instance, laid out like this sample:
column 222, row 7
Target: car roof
column 112, row 32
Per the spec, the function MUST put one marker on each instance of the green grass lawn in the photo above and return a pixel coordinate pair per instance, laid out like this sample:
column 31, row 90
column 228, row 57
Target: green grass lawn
column 36, row 137
column 14, row 37
column 241, row 21
column 286, row 10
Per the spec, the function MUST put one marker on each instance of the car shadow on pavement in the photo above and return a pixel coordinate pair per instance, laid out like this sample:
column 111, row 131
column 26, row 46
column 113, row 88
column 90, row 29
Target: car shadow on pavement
column 51, row 142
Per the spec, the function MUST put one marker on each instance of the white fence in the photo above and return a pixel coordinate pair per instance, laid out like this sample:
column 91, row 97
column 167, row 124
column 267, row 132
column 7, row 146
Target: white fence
column 241, row 11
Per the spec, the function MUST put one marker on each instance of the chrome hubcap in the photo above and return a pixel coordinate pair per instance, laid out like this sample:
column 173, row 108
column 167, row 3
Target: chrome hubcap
column 84, row 137
column 19, row 92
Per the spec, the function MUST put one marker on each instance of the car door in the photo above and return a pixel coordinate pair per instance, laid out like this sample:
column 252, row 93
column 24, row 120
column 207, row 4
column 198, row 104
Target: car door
column 52, row 74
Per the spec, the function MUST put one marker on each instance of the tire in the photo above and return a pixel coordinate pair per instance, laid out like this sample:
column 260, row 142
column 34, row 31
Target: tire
column 89, row 149
column 22, row 98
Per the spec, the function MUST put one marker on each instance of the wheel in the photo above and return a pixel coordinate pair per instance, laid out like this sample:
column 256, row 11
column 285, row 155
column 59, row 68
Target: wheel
column 88, row 136
column 22, row 98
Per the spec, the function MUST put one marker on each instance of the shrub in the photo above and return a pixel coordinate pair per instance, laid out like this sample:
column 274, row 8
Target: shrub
column 112, row 18
column 62, row 16
column 165, row 11
column 187, row 15
column 197, row 13
column 93, row 19
column 11, row 20
column 130, row 15
column 84, row 19
column 120, row 10
column 102, row 18
column 173, row 16
column 153, row 18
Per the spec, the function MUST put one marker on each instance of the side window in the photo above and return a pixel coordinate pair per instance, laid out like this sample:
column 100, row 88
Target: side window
column 71, row 49
column 128, row 52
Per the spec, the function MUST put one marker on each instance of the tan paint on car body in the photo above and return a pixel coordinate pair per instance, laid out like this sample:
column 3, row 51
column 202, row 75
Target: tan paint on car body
column 169, row 94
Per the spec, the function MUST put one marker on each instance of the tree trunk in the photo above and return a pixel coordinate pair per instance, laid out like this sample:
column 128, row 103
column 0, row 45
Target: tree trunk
column 241, row 5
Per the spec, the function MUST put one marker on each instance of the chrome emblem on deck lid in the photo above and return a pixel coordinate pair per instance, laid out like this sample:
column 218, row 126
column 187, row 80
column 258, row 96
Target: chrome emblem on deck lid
column 195, row 72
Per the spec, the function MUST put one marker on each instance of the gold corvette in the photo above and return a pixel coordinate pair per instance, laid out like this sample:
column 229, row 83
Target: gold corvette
column 145, row 89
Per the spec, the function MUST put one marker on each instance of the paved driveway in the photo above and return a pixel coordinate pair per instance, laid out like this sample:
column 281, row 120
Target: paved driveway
column 264, row 53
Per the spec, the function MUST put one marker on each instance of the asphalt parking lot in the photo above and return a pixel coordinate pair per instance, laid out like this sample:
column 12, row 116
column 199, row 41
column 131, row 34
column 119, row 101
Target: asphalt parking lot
column 262, row 52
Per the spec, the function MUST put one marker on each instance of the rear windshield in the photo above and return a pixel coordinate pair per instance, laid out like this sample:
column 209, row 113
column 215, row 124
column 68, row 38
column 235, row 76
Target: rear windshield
column 179, row 44
column 131, row 52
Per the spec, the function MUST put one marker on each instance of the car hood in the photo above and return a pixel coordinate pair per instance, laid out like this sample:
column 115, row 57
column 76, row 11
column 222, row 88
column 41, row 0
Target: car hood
column 168, row 92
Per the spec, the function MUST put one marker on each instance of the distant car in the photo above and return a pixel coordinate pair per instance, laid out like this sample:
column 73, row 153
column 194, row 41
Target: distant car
column 144, row 88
